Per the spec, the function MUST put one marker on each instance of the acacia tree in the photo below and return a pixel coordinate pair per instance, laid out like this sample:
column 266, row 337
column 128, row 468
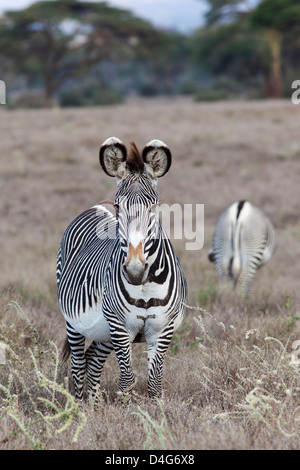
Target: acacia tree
column 233, row 49
column 251, row 33
column 228, row 44
column 276, row 18
column 224, row 11
column 57, row 40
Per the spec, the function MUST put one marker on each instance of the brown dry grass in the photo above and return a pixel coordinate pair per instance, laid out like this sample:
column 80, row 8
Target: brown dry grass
column 226, row 385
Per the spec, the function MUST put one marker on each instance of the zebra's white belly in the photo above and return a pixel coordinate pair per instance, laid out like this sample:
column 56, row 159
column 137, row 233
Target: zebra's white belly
column 135, row 322
column 91, row 324
column 148, row 321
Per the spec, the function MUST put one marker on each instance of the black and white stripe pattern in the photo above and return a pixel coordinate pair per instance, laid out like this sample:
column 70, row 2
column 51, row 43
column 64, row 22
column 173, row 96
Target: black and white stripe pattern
column 243, row 241
column 119, row 280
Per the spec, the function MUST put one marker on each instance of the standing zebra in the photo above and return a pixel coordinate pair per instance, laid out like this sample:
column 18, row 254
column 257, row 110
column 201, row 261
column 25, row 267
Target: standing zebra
column 243, row 241
column 119, row 280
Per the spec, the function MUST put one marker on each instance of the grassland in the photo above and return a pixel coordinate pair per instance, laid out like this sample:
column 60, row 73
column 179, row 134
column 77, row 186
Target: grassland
column 230, row 381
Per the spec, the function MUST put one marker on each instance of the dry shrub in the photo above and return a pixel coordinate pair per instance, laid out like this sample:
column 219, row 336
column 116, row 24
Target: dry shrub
column 33, row 404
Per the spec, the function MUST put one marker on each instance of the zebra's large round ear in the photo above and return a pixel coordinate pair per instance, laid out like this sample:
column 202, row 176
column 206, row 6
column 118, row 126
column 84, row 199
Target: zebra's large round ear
column 112, row 157
column 157, row 157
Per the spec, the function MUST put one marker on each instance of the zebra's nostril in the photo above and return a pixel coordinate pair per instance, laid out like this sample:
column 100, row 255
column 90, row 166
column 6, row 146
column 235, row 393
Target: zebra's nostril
column 135, row 272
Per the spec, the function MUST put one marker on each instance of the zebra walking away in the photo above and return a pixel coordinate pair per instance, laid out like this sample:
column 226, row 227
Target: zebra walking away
column 119, row 280
column 243, row 241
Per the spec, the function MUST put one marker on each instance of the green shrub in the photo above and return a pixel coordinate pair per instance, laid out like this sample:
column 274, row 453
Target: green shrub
column 90, row 95
column 148, row 89
column 71, row 98
column 210, row 95
column 27, row 99
column 187, row 87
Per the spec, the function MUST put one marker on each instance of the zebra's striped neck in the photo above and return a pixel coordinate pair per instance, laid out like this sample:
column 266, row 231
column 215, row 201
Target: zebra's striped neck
column 158, row 288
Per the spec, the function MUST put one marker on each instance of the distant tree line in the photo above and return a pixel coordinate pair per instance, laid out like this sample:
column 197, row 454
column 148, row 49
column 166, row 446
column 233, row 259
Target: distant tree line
column 252, row 40
column 84, row 53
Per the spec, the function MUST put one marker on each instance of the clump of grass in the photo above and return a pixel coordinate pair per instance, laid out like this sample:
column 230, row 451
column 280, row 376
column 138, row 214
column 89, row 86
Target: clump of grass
column 289, row 308
column 30, row 395
column 271, row 402
column 254, row 377
column 158, row 434
column 207, row 295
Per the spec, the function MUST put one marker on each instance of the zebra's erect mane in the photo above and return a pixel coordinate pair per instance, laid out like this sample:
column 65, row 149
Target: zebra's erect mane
column 134, row 187
column 240, row 207
column 134, row 161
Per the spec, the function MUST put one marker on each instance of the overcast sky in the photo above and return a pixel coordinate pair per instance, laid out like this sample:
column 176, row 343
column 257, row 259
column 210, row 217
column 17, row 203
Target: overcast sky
column 183, row 15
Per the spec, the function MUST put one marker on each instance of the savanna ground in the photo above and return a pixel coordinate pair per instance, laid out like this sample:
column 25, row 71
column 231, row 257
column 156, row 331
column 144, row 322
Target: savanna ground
column 231, row 380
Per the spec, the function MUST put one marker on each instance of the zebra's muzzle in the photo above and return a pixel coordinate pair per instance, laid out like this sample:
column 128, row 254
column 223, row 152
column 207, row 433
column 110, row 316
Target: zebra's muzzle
column 136, row 268
column 136, row 273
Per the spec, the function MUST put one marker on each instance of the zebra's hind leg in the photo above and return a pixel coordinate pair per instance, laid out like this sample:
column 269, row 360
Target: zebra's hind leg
column 78, row 361
column 156, row 356
column 96, row 356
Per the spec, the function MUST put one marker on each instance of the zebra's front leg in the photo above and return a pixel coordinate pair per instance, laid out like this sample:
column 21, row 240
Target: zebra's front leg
column 78, row 360
column 122, row 346
column 156, row 356
column 96, row 356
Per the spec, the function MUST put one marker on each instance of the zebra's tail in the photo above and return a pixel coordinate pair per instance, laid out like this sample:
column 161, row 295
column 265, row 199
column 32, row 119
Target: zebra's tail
column 211, row 256
column 66, row 351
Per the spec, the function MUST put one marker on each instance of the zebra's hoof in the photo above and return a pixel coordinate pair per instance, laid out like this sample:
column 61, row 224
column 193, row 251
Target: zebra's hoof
column 129, row 388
